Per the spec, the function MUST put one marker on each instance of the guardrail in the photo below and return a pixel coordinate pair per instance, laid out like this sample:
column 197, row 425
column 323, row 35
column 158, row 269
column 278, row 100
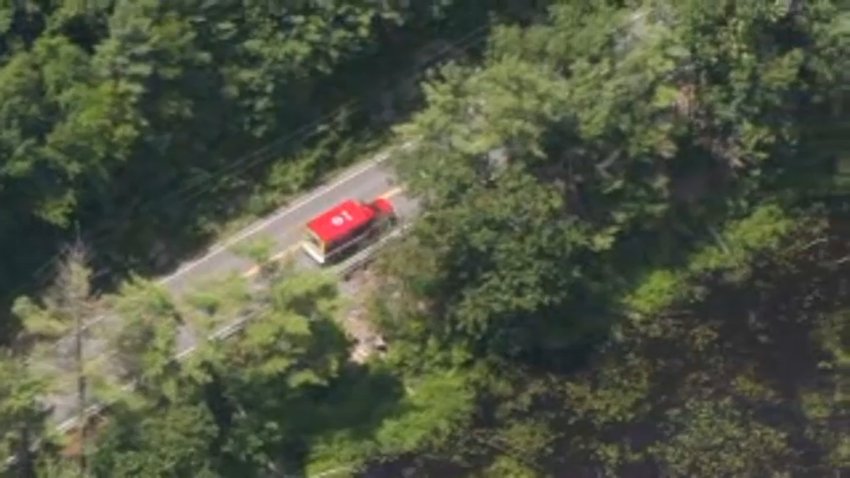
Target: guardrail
column 226, row 243
column 344, row 270
column 366, row 256
column 359, row 260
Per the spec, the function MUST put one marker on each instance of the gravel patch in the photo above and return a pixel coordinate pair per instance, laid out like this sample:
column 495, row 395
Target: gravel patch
column 354, row 319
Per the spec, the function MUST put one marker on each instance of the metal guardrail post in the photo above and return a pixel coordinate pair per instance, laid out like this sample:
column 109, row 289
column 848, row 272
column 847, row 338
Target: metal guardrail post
column 343, row 270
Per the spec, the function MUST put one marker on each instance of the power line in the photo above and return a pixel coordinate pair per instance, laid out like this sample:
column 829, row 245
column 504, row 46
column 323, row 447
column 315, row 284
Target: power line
column 254, row 158
column 222, row 332
column 303, row 132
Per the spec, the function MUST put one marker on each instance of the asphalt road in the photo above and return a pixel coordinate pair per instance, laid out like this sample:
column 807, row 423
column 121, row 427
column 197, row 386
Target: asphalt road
column 284, row 227
column 367, row 180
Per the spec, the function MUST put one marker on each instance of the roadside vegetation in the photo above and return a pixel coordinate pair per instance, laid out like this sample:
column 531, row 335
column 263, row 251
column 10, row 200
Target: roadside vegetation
column 633, row 261
column 150, row 126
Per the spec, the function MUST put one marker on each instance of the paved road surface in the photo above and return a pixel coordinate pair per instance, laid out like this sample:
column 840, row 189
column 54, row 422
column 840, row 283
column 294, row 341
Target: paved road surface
column 365, row 181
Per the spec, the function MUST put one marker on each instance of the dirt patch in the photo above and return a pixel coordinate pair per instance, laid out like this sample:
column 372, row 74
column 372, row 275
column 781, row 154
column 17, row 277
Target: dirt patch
column 357, row 288
column 72, row 446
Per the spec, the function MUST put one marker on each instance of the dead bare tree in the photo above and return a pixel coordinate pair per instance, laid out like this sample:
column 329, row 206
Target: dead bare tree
column 61, row 313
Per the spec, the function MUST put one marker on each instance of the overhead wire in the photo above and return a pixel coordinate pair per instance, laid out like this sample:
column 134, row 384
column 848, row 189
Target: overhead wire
column 250, row 160
column 473, row 37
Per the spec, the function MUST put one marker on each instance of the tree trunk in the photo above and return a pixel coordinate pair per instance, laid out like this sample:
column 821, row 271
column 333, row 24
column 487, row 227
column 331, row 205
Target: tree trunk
column 81, row 394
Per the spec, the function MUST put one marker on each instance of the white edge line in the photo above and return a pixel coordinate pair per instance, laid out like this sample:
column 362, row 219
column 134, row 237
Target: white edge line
column 223, row 246
column 290, row 208
column 226, row 330
column 68, row 424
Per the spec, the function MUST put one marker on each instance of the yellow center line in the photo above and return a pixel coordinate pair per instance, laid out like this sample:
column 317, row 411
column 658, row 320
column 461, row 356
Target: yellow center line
column 284, row 253
column 277, row 257
column 289, row 250
column 392, row 192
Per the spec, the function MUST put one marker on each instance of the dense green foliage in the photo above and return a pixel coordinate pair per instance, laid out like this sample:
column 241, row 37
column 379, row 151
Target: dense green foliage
column 649, row 263
column 151, row 123
column 633, row 260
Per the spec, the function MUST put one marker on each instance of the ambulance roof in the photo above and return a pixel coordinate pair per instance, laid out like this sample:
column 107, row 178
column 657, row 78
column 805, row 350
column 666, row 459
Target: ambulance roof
column 339, row 221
